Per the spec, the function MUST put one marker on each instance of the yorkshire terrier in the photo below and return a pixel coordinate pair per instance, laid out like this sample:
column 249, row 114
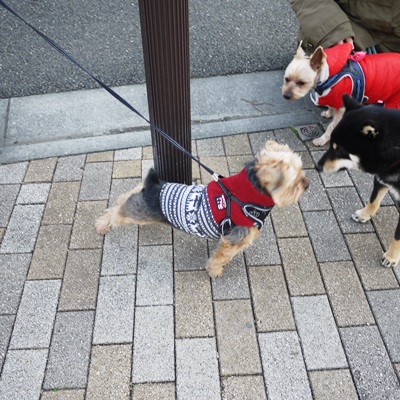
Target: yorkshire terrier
column 330, row 73
column 275, row 176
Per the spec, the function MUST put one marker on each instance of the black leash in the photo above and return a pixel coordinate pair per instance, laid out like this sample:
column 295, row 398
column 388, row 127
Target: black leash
column 109, row 90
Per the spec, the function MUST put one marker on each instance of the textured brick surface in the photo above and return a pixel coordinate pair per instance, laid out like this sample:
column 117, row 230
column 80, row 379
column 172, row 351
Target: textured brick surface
column 244, row 387
column 6, row 324
column 41, row 170
column 154, row 391
column 96, row 181
column 8, row 194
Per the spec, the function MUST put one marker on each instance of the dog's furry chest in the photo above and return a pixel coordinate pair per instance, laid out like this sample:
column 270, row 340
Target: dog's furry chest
column 187, row 208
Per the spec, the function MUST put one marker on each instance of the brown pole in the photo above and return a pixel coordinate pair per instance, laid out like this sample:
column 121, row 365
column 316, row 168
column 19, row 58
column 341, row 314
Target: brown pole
column 165, row 37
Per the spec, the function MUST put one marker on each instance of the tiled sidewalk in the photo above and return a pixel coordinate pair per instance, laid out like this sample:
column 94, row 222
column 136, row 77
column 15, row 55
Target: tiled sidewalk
column 306, row 313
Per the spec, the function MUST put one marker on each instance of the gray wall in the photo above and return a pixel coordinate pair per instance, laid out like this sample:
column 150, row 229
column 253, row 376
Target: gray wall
column 226, row 37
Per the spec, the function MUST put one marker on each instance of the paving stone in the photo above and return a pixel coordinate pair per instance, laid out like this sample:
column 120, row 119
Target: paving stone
column 212, row 147
column 70, row 168
column 364, row 183
column 346, row 294
column 234, row 283
column 385, row 222
column 318, row 333
column 155, row 276
column 2, row 232
column 127, row 169
column 190, row 252
column 264, row 250
column 345, row 202
column 115, row 309
column 70, row 394
column 135, row 153
column 33, row 193
column 120, row 251
column 12, row 173
column 325, row 235
column 333, row 385
column 271, row 300
column 386, row 308
column 237, row 163
column 13, row 269
column 193, row 305
column 372, row 370
column 287, row 136
column 217, row 164
column 70, row 351
column 243, row 388
column 22, row 230
column 150, row 235
column 48, row 260
column 8, row 194
column 81, row 277
column 6, row 325
column 288, row 221
column 258, row 139
column 120, row 186
column 61, row 204
column 153, row 353
column 283, row 362
column 154, row 391
column 96, row 181
column 237, row 342
column 101, row 156
column 109, row 373
column 315, row 198
column 300, row 267
column 23, row 374
column 36, row 313
column 147, row 153
column 367, row 252
column 146, row 166
column 197, row 369
column 236, row 145
column 84, row 235
column 41, row 170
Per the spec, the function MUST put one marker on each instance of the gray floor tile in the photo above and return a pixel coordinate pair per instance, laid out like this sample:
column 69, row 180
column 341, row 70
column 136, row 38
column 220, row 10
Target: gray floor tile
column 154, row 391
column 315, row 198
column 300, row 267
column 153, row 353
column 288, row 221
column 236, row 334
column 22, row 230
column 385, row 222
column 151, row 235
column 23, row 374
column 386, row 308
column 372, row 370
column 271, row 300
column 155, row 276
column 120, row 251
column 115, row 310
column 13, row 173
column 283, row 362
column 243, row 387
column 318, row 333
column 33, row 193
column 197, row 369
column 6, row 324
column 346, row 295
column 193, row 305
column 258, row 139
column 190, row 252
column 326, row 238
column 70, row 350
column 288, row 137
column 13, row 270
column 41, row 170
column 210, row 147
column 36, row 313
column 96, row 181
column 237, row 145
column 110, row 372
column 8, row 194
column 69, row 394
column 70, row 168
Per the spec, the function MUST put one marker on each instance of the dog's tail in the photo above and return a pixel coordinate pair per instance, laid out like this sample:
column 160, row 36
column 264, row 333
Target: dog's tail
column 152, row 178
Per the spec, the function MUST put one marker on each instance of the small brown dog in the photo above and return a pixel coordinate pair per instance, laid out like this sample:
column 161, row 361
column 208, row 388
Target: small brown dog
column 274, row 177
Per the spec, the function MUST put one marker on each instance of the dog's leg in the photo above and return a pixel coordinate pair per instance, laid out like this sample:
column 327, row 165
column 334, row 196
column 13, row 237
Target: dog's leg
column 226, row 251
column 366, row 213
column 329, row 112
column 392, row 256
column 327, row 135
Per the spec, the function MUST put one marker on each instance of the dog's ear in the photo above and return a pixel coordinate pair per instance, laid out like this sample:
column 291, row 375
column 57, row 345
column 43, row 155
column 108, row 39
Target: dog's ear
column 317, row 59
column 300, row 53
column 369, row 129
column 349, row 103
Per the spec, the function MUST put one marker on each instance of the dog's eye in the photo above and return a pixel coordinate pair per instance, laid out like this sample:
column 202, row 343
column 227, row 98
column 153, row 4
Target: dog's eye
column 301, row 83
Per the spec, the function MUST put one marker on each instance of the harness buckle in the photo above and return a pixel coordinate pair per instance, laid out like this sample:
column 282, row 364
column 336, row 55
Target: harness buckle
column 225, row 226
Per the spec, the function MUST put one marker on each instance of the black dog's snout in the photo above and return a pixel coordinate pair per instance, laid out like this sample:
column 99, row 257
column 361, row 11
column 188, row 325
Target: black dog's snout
column 287, row 96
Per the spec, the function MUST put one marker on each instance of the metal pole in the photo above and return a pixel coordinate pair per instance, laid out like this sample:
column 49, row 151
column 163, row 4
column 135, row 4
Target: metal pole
column 165, row 37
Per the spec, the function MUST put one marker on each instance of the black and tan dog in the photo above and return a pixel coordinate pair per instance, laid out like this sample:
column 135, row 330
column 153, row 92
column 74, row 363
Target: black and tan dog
column 367, row 138
column 274, row 177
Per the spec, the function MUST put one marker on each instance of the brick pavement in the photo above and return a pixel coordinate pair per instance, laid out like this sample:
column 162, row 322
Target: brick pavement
column 306, row 313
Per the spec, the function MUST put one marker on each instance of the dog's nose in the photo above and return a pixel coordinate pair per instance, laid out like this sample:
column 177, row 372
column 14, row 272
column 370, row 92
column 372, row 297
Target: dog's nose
column 287, row 96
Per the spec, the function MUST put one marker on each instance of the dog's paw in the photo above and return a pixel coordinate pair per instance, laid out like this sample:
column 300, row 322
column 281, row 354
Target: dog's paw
column 214, row 272
column 103, row 225
column 388, row 262
column 327, row 114
column 320, row 141
column 361, row 216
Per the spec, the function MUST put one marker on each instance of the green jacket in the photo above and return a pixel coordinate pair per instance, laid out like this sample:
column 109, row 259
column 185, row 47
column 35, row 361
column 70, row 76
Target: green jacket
column 369, row 22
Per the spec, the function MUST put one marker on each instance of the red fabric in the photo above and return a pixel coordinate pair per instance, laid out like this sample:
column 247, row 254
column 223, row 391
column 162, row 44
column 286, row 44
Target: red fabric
column 240, row 186
column 382, row 77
